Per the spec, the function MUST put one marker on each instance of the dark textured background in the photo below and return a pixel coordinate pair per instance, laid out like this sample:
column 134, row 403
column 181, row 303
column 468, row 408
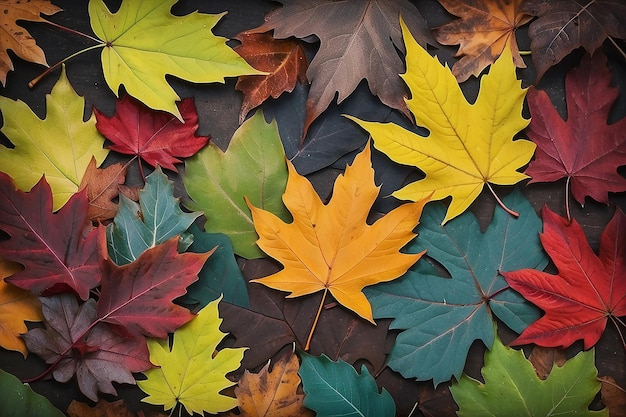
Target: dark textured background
column 218, row 107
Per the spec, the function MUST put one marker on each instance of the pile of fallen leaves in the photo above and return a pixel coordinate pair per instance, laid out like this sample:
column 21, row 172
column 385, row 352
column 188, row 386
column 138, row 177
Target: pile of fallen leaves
column 243, row 292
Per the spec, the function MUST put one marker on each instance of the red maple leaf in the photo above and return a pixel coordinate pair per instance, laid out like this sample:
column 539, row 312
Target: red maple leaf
column 588, row 290
column 583, row 148
column 138, row 296
column 75, row 344
column 58, row 251
column 158, row 138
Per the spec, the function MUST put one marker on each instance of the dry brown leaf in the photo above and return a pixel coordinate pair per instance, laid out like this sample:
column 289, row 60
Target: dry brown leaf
column 105, row 409
column 15, row 37
column 272, row 393
column 544, row 358
column 283, row 59
column 613, row 396
column 486, row 27
column 102, row 187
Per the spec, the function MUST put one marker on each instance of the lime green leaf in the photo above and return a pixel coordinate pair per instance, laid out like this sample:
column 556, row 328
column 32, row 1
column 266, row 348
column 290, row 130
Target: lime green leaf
column 153, row 221
column 512, row 388
column 469, row 145
column 337, row 389
column 192, row 373
column 19, row 400
column 59, row 146
column 145, row 42
column 253, row 167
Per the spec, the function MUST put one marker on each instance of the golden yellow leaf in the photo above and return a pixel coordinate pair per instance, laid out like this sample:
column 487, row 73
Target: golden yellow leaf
column 16, row 305
column 272, row 393
column 17, row 38
column 470, row 145
column 331, row 247
column 485, row 30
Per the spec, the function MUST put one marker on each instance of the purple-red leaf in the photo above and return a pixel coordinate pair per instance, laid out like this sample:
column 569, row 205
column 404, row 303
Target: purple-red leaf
column 138, row 296
column 94, row 353
column 584, row 148
column 58, row 251
column 158, row 138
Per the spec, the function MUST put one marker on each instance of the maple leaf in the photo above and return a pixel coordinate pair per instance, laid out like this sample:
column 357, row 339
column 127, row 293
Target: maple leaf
column 441, row 312
column 144, row 42
column 77, row 344
column 158, row 138
column 58, row 251
column 16, row 306
column 192, row 372
column 511, row 387
column 583, row 148
column 470, row 145
column 17, row 38
column 272, row 393
column 283, row 59
column 564, row 25
column 600, row 287
column 102, row 187
column 331, row 247
column 138, row 296
column 358, row 40
column 253, row 166
column 485, row 29
column 336, row 388
column 59, row 146
column 154, row 220
column 104, row 408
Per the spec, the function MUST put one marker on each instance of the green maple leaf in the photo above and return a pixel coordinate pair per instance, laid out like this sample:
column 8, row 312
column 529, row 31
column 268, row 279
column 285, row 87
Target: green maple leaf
column 144, row 42
column 440, row 318
column 512, row 388
column 337, row 389
column 253, row 166
column 192, row 373
column 157, row 218
column 59, row 146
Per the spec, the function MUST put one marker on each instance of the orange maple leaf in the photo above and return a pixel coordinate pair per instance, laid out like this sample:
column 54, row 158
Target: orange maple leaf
column 17, row 38
column 486, row 27
column 331, row 247
column 16, row 306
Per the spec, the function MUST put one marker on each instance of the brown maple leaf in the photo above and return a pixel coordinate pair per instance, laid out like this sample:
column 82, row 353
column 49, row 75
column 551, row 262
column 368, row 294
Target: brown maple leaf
column 486, row 27
column 17, row 38
column 358, row 40
column 102, row 187
column 564, row 25
column 283, row 59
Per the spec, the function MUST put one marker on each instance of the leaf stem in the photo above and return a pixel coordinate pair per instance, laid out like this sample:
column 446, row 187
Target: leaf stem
column 616, row 321
column 567, row 211
column 35, row 80
column 525, row 52
column 508, row 210
column 317, row 316
column 74, row 31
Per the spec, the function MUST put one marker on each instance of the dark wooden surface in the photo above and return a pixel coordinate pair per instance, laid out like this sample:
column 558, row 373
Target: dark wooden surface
column 218, row 107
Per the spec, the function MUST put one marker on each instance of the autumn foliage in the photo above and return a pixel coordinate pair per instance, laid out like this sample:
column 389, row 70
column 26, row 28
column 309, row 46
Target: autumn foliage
column 381, row 234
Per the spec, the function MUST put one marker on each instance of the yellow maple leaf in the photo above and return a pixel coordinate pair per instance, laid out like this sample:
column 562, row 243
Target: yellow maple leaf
column 192, row 372
column 16, row 306
column 485, row 30
column 470, row 145
column 272, row 393
column 59, row 146
column 331, row 247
